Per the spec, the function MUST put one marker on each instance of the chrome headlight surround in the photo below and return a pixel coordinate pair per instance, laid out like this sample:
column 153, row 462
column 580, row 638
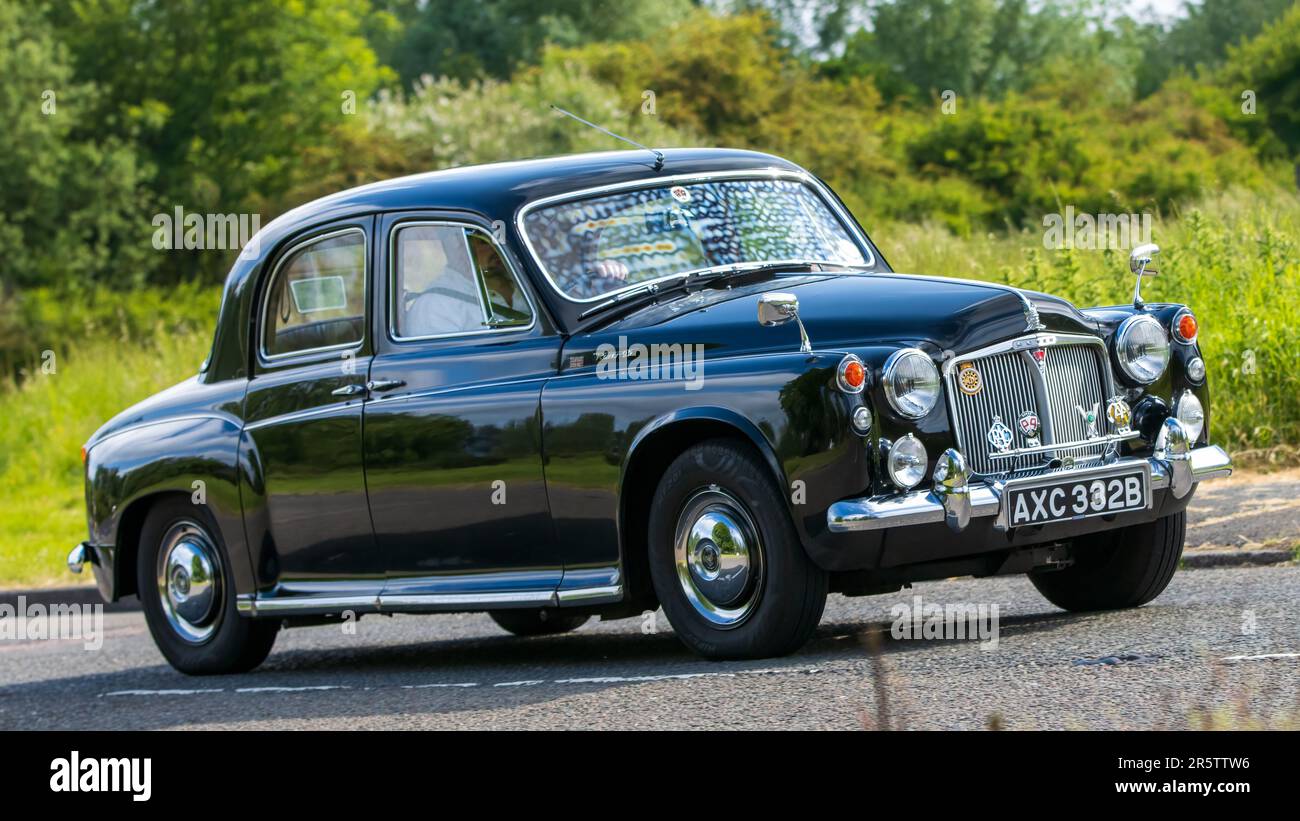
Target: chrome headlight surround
column 906, row 461
column 1145, row 367
column 912, row 382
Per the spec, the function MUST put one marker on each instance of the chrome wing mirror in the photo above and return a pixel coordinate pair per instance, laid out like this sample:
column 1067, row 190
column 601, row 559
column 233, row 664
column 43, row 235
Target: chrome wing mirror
column 778, row 308
column 1139, row 262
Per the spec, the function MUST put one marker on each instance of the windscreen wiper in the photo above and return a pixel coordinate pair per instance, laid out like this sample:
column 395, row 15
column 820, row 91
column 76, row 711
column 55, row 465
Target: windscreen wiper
column 653, row 291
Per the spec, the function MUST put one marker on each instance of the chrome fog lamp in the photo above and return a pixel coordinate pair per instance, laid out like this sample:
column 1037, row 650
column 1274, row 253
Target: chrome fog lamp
column 911, row 382
column 1190, row 412
column 1196, row 370
column 1142, row 348
column 906, row 462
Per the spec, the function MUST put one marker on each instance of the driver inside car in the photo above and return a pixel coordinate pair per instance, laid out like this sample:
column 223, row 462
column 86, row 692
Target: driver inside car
column 436, row 276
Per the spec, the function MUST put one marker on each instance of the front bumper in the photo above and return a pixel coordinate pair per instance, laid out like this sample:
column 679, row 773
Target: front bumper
column 1175, row 467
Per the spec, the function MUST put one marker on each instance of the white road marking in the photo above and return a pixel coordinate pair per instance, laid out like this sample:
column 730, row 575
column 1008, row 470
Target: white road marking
column 161, row 692
column 292, row 689
column 1262, row 657
column 428, row 686
column 533, row 682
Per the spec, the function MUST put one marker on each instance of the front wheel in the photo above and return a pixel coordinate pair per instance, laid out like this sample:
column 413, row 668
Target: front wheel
column 1117, row 569
column 725, row 559
column 188, row 596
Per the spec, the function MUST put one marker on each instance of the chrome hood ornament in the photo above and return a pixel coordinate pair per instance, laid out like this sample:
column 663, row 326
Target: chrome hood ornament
column 1033, row 322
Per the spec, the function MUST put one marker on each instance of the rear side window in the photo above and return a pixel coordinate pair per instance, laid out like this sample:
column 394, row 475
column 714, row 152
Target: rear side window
column 317, row 298
column 450, row 280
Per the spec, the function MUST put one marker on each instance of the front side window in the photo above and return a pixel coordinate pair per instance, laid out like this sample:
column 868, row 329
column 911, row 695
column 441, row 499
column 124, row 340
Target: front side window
column 593, row 246
column 449, row 280
column 317, row 298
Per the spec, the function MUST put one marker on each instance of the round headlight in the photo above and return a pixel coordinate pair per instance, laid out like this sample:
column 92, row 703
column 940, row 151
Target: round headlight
column 911, row 382
column 1191, row 414
column 907, row 460
column 1142, row 348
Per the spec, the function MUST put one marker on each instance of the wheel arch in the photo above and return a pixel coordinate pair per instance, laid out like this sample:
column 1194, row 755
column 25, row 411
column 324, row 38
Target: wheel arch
column 131, row 472
column 652, row 450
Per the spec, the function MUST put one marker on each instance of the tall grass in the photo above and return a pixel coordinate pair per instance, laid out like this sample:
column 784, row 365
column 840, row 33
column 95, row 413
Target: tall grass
column 43, row 424
column 1235, row 259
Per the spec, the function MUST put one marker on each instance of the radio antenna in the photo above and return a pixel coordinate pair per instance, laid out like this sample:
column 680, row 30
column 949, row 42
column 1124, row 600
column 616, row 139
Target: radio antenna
column 659, row 155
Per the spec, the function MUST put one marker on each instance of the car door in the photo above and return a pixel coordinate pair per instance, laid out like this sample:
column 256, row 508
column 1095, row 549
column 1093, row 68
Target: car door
column 306, row 504
column 452, row 427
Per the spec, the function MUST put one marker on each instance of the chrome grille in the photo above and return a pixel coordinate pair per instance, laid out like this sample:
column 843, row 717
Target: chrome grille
column 1073, row 381
column 1073, row 377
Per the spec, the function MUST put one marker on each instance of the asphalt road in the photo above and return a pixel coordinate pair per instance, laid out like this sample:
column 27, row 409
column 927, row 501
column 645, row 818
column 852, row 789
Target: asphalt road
column 1223, row 640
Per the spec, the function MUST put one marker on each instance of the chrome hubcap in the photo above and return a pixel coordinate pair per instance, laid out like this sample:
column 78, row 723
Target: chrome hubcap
column 189, row 582
column 719, row 557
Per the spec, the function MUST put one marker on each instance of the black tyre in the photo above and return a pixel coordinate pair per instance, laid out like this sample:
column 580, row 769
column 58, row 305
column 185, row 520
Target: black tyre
column 725, row 559
column 537, row 622
column 1118, row 568
column 188, row 596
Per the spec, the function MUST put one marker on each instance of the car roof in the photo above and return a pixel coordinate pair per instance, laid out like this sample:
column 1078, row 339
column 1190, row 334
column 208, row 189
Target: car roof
column 497, row 188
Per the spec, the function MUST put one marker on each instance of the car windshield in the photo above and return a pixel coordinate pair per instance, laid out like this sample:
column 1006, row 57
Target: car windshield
column 591, row 247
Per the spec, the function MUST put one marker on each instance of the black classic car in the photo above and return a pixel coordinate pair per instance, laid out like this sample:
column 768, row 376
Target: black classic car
column 600, row 384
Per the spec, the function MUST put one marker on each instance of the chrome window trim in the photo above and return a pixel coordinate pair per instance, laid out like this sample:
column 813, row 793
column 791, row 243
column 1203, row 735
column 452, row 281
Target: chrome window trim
column 855, row 232
column 391, row 283
column 270, row 359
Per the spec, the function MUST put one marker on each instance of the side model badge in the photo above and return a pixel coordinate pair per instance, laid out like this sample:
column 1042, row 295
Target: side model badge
column 1119, row 413
column 969, row 379
column 1029, row 427
column 1090, row 417
column 1000, row 435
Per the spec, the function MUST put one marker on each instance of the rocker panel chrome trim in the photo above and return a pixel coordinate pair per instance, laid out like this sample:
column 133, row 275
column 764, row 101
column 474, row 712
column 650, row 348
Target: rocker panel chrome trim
column 262, row 606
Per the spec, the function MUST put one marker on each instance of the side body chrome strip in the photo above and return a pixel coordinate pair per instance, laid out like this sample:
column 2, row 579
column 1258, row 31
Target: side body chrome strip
column 263, row 605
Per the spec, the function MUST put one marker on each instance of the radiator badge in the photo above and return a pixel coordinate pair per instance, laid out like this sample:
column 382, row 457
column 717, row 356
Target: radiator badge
column 1090, row 417
column 1119, row 413
column 1000, row 436
column 1029, row 427
column 969, row 379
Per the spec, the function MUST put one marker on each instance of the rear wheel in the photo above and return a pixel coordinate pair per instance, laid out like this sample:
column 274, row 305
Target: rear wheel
column 537, row 622
column 725, row 559
column 188, row 596
column 1117, row 569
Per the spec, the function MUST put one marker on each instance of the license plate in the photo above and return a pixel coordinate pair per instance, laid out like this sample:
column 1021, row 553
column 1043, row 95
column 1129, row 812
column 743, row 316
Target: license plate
column 1079, row 498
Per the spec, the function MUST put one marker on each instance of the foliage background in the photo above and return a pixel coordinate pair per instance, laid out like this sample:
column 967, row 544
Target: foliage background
column 950, row 128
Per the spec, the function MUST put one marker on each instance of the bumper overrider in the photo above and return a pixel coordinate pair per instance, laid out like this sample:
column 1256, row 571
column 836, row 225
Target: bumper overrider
column 955, row 499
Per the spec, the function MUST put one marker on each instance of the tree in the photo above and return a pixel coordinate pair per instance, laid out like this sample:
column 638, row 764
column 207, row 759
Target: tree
column 493, row 38
column 73, row 207
column 223, row 96
column 1201, row 37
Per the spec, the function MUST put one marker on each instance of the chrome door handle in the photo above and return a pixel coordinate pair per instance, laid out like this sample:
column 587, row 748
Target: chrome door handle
column 385, row 384
column 349, row 390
